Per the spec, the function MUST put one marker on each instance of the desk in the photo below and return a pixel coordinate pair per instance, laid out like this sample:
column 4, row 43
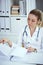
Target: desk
column 34, row 58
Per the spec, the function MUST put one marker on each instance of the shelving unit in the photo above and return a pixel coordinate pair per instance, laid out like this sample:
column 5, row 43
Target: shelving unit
column 13, row 17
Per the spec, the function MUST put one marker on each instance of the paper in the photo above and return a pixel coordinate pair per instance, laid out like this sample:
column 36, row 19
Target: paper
column 19, row 52
column 5, row 49
column 15, row 51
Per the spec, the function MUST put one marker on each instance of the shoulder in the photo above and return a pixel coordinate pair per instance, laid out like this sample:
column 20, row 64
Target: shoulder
column 41, row 31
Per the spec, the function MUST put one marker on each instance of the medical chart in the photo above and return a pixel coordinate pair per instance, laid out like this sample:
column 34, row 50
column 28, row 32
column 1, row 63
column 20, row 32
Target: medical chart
column 15, row 51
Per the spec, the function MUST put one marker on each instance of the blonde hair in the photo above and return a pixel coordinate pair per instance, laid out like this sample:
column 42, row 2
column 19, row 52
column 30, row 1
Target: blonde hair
column 40, row 24
column 39, row 15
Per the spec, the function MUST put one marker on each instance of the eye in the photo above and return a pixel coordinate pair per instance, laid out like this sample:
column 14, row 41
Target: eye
column 28, row 18
column 33, row 20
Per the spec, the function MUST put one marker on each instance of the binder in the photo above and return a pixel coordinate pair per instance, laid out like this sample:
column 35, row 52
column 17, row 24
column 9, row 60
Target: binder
column 3, row 7
column 2, row 24
column 7, row 7
column 0, row 7
column 7, row 24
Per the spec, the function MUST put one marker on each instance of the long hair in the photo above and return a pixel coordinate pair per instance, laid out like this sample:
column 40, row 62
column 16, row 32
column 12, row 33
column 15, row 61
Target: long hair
column 39, row 15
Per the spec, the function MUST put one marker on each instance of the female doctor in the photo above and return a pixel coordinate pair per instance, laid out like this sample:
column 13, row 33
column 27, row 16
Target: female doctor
column 32, row 35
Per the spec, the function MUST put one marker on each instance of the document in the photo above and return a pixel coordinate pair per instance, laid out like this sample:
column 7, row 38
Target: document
column 15, row 51
column 5, row 49
column 19, row 52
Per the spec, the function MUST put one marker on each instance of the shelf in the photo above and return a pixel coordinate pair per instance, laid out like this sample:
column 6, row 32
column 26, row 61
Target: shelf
column 7, row 33
column 18, row 15
column 18, row 7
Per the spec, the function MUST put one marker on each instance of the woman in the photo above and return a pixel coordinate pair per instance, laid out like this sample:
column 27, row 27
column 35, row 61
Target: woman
column 32, row 36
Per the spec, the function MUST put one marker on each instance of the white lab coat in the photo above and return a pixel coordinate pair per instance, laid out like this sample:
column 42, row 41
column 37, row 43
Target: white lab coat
column 34, row 41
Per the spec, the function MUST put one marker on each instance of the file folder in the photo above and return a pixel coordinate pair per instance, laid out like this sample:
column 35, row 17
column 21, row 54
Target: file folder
column 2, row 24
column 7, row 24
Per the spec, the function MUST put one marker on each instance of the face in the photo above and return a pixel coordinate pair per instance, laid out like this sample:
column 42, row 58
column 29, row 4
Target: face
column 32, row 20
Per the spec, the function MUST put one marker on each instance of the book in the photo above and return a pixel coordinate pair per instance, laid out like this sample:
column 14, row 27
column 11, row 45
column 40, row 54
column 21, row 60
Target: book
column 21, row 7
column 15, row 6
column 15, row 9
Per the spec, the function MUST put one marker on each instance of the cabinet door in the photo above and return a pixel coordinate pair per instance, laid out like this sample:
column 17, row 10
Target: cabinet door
column 17, row 25
column 3, row 7
column 7, row 7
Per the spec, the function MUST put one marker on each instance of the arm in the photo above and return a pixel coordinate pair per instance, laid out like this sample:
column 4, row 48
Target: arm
column 29, row 49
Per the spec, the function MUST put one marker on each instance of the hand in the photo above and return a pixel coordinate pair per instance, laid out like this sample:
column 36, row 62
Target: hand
column 30, row 49
column 5, row 40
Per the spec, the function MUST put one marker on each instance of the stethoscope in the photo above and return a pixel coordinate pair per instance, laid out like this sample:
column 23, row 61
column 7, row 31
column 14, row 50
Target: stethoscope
column 25, row 33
